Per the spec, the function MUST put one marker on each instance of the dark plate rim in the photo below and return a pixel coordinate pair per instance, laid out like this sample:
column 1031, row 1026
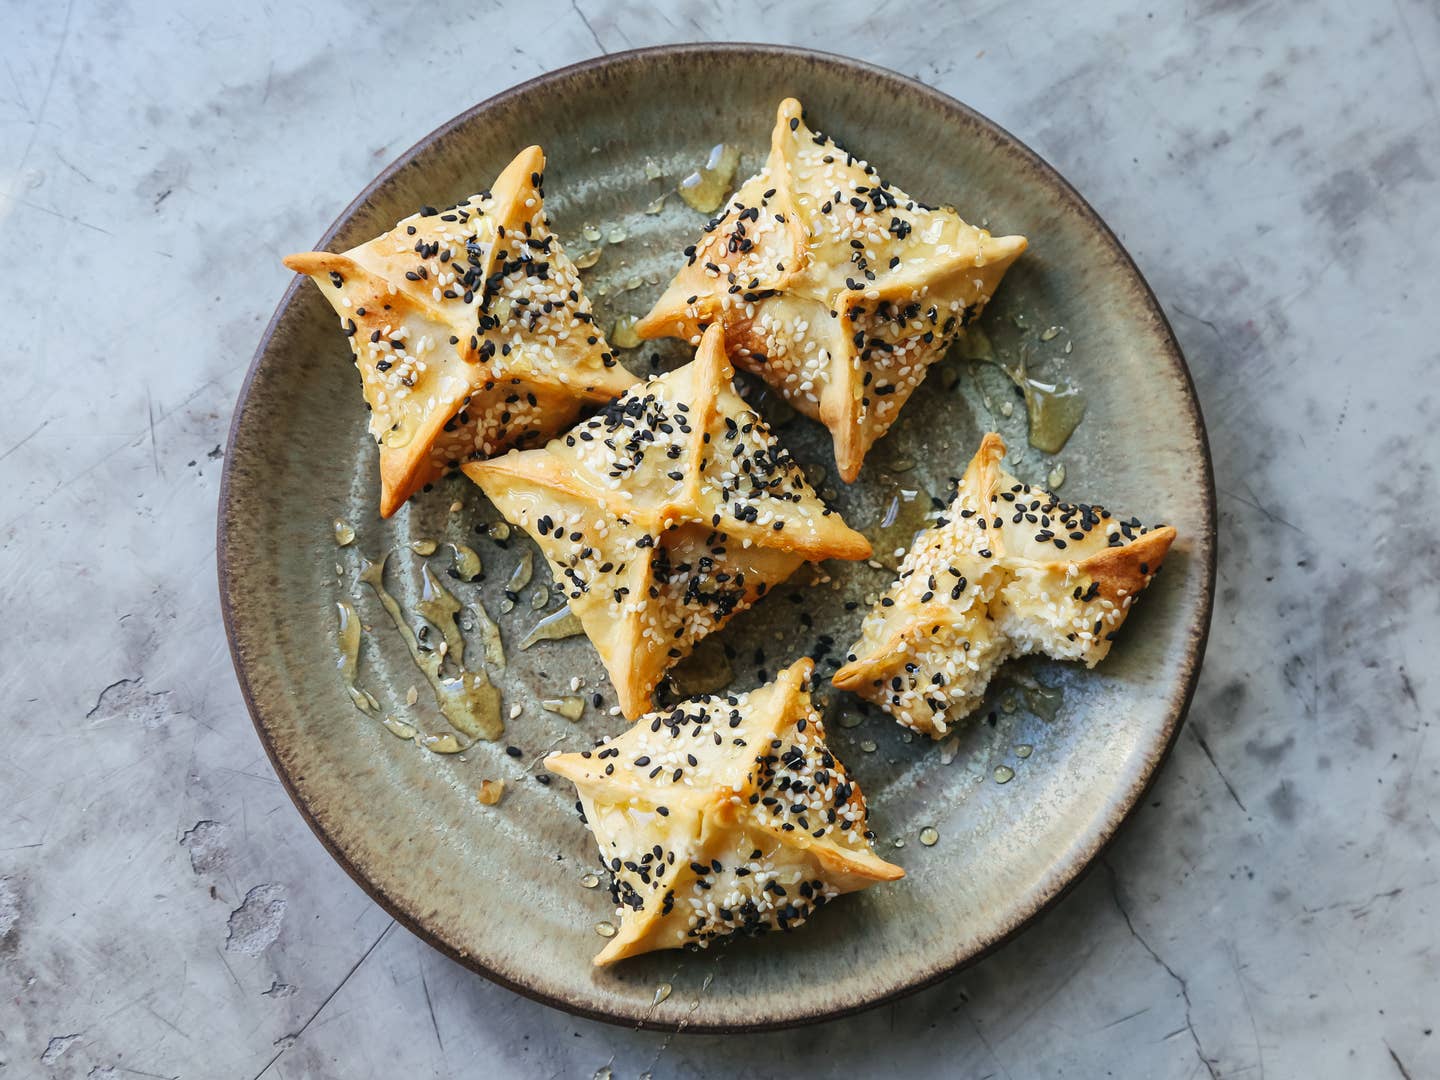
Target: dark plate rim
column 1124, row 803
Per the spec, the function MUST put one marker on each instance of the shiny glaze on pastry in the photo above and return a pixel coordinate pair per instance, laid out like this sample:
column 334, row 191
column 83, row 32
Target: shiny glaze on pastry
column 664, row 515
column 470, row 330
column 1009, row 570
column 724, row 814
column 833, row 285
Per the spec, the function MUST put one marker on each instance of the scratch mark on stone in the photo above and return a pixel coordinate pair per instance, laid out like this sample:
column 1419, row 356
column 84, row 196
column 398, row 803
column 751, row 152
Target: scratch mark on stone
column 112, row 1072
column 253, row 776
column 1219, row 337
column 1181, row 983
column 1254, row 505
column 231, row 971
column 73, row 168
column 19, row 91
column 585, row 19
column 1199, row 738
column 168, row 1023
column 1404, row 1072
column 975, row 1027
column 290, row 1040
column 49, row 86
column 23, row 441
column 1435, row 108
column 55, row 214
column 424, row 985
column 1128, row 1016
column 1249, row 1009
column 154, row 446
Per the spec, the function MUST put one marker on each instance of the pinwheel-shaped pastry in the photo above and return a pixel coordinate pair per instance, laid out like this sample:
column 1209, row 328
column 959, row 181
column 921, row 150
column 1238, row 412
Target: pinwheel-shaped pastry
column 470, row 330
column 665, row 514
column 1009, row 570
column 833, row 285
column 723, row 814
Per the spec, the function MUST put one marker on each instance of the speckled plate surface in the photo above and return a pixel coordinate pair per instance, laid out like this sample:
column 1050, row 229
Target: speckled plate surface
column 499, row 888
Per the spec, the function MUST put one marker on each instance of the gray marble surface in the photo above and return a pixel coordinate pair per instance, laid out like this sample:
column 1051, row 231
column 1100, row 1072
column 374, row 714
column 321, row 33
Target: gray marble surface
column 1272, row 910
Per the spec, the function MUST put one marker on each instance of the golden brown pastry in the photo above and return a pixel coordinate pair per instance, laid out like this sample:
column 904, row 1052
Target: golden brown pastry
column 665, row 514
column 834, row 286
column 1009, row 570
column 470, row 330
column 723, row 814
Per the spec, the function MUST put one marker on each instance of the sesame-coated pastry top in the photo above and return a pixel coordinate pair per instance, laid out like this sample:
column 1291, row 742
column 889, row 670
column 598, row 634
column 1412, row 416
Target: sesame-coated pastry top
column 1009, row 570
column 833, row 285
column 666, row 513
column 470, row 330
column 725, row 813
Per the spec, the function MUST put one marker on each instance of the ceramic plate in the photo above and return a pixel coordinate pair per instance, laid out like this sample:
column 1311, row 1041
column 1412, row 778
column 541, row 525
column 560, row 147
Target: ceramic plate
column 500, row 888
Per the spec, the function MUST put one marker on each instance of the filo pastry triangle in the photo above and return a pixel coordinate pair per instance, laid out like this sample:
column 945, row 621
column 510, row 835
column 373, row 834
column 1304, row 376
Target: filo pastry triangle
column 1007, row 571
column 833, row 285
column 470, row 330
column 665, row 514
column 725, row 813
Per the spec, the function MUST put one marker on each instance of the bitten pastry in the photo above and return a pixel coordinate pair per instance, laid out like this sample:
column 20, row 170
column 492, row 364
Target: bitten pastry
column 664, row 515
column 470, row 330
column 1009, row 570
column 833, row 285
column 723, row 814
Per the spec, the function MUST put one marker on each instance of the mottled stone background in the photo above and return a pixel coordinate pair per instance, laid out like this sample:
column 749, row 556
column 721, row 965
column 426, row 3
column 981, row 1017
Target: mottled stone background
column 1272, row 909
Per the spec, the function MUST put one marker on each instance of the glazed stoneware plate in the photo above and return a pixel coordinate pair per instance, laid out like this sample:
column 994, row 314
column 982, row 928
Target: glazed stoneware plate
column 1019, row 803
